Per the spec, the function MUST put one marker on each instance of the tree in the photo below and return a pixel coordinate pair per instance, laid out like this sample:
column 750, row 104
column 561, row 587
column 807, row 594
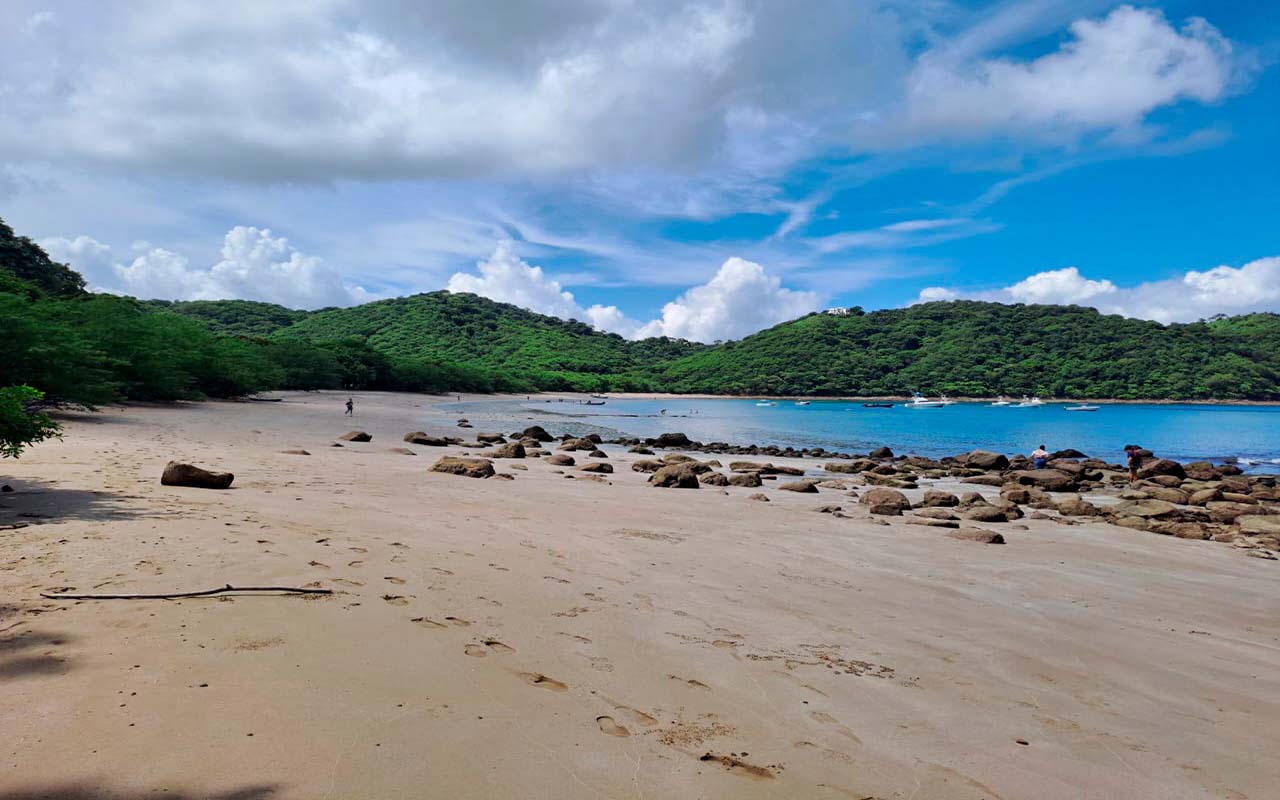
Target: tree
column 22, row 420
column 26, row 260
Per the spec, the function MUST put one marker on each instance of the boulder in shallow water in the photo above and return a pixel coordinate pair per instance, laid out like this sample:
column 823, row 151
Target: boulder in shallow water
column 672, row 440
column 356, row 436
column 985, row 459
column 177, row 473
column 467, row 467
column 881, row 452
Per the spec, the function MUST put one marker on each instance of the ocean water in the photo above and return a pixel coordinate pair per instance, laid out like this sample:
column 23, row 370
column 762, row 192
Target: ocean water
column 1250, row 434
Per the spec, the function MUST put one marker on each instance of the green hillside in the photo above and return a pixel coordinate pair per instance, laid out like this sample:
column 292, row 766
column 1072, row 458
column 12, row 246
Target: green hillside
column 533, row 350
column 234, row 317
column 982, row 349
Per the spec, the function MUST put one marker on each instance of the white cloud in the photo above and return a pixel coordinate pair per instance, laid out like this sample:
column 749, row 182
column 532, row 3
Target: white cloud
column 255, row 265
column 741, row 299
column 1192, row 296
column 1109, row 76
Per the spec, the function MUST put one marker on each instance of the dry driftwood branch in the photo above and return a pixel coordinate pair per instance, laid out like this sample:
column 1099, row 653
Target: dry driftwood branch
column 174, row 595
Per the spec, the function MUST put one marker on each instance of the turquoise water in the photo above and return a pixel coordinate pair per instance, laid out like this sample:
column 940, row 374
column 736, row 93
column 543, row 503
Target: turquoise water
column 1185, row 432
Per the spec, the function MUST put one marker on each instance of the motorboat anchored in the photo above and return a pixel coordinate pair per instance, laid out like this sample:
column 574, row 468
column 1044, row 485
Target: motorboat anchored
column 920, row 401
column 1001, row 401
column 802, row 402
column 1083, row 407
column 1029, row 402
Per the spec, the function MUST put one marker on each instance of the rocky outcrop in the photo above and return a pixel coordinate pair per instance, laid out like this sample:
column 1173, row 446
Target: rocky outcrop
column 883, row 500
column 985, row 459
column 599, row 467
column 356, row 436
column 934, row 498
column 560, row 460
column 510, row 450
column 467, row 467
column 418, row 437
column 712, row 478
column 675, row 476
column 804, row 487
column 176, row 473
column 536, row 432
column 977, row 535
column 748, row 480
column 1050, row 480
column 672, row 440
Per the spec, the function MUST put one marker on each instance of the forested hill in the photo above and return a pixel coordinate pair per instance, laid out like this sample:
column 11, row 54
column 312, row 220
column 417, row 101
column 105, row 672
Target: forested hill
column 234, row 317
column 982, row 349
column 475, row 332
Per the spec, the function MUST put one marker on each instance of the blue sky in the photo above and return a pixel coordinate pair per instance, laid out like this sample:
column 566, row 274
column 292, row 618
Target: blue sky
column 698, row 169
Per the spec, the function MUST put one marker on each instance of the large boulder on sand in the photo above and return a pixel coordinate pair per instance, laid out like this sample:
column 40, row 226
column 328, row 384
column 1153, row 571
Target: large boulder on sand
column 883, row 500
column 748, row 480
column 177, row 473
column 510, row 450
column 578, row 444
column 1161, row 466
column 1076, row 506
column 418, row 437
column 1257, row 525
column 490, row 438
column 1051, row 480
column 675, row 476
column 597, row 466
column 805, row 487
column 935, row 498
column 536, row 432
column 986, row 514
column 356, row 436
column 468, row 467
column 977, row 535
column 713, row 478
column 985, row 459
column 560, row 460
column 646, row 465
column 881, row 452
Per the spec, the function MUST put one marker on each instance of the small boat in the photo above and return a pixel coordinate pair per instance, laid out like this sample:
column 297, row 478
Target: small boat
column 802, row 402
column 920, row 401
column 600, row 396
column 1083, row 407
column 593, row 402
column 1001, row 401
column 766, row 404
column 1029, row 402
column 877, row 405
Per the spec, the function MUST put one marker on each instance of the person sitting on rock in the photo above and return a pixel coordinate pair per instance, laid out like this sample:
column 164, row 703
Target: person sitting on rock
column 1039, row 457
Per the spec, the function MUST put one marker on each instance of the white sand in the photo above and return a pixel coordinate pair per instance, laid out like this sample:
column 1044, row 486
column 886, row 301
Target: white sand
column 557, row 638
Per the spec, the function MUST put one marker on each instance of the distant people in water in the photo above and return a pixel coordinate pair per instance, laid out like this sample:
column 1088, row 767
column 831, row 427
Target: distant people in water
column 1039, row 457
column 663, row 412
column 351, row 407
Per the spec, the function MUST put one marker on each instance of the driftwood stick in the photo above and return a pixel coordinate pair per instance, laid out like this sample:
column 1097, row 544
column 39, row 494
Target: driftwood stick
column 174, row 595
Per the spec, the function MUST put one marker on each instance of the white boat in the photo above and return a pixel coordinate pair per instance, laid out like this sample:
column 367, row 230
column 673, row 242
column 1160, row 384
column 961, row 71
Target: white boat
column 1031, row 402
column 766, row 403
column 1001, row 401
column 1083, row 407
column 802, row 402
column 920, row 401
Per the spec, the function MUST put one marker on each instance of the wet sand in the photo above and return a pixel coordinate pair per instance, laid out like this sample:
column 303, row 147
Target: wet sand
column 548, row 637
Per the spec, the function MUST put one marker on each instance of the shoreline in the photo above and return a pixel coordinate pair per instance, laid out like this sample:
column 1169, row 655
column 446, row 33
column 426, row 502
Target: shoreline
column 904, row 399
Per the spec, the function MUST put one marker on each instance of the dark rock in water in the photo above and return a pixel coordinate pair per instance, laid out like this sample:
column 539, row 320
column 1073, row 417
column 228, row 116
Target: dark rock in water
column 356, row 436
column 713, row 478
column 977, row 535
column 468, row 467
column 536, row 432
column 597, row 466
column 177, row 473
column 6, row 488
column 418, row 437
column 675, row 476
column 934, row 498
column 294, row 452
column 806, row 487
column 490, row 438
column 881, row 452
column 560, row 460
column 884, row 498
column 510, row 450
column 464, row 425
column 985, row 459
column 403, row 451
column 594, row 437
column 672, row 440
column 1068, row 453
column 748, row 480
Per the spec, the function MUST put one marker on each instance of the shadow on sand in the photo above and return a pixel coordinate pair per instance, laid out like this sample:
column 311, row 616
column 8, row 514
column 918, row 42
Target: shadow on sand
column 35, row 501
column 93, row 791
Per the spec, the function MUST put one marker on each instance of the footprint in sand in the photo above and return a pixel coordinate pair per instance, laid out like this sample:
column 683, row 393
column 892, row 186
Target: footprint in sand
column 396, row 599
column 498, row 647
column 427, row 622
column 317, row 564
column 346, row 582
column 538, row 679
column 393, row 579
column 442, row 570
column 609, row 726
column 355, row 563
column 475, row 651
column 459, row 621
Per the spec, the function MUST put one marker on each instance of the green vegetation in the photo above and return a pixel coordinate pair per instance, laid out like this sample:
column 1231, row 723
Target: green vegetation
column 64, row 346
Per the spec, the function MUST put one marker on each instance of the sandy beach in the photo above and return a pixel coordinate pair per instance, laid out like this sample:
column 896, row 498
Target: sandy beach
column 546, row 637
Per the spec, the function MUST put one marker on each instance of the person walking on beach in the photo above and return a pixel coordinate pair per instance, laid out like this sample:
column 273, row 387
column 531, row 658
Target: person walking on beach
column 351, row 408
column 1039, row 457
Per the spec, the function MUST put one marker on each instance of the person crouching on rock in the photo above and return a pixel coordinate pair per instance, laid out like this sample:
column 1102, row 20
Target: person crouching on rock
column 1039, row 457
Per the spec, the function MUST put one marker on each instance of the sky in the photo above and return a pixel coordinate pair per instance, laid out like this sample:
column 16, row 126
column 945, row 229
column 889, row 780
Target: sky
column 684, row 168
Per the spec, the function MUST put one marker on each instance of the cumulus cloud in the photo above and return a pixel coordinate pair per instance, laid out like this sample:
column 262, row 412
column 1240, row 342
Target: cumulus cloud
column 507, row 278
column 739, row 300
column 1109, row 76
column 1192, row 296
column 255, row 265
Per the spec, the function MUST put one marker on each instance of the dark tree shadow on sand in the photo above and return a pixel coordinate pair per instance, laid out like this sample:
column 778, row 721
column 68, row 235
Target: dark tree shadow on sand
column 27, row 653
column 35, row 501
column 92, row 791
